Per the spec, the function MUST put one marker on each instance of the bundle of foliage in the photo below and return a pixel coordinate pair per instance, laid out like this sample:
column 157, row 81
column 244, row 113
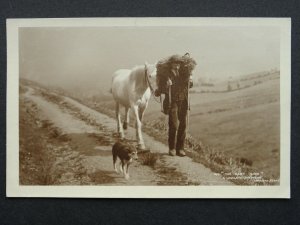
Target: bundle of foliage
column 187, row 65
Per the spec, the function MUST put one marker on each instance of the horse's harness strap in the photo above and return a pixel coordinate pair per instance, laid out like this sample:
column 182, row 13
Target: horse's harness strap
column 149, row 84
column 147, row 80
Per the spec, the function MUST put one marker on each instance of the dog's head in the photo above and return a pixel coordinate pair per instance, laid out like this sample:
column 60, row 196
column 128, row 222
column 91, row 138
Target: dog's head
column 132, row 153
column 125, row 151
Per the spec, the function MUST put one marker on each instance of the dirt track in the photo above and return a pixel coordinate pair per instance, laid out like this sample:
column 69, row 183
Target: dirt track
column 91, row 136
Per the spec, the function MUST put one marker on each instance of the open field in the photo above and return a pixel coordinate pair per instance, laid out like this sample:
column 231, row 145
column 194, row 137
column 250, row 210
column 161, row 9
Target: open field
column 240, row 82
column 242, row 124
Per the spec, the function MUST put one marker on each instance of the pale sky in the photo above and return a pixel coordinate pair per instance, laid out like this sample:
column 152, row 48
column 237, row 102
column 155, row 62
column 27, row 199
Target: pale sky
column 88, row 56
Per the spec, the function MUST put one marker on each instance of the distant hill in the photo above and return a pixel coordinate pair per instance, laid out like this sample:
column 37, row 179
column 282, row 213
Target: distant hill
column 240, row 82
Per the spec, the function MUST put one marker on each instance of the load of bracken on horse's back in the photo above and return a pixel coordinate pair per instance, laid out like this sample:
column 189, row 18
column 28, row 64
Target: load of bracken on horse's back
column 187, row 65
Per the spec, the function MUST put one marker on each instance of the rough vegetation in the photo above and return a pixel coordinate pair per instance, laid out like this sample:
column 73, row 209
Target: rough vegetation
column 149, row 159
column 187, row 65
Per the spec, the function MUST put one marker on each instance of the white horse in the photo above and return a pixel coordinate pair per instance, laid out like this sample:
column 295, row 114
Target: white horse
column 132, row 89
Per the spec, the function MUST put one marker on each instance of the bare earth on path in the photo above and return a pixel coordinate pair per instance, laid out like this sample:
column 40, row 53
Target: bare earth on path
column 91, row 136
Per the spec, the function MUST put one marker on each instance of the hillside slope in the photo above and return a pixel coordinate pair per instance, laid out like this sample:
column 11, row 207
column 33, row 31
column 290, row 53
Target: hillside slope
column 242, row 124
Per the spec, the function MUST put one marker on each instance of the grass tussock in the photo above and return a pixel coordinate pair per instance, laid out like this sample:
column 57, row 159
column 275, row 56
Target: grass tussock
column 149, row 159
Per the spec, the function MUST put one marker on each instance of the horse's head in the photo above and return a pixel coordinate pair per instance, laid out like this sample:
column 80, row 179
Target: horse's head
column 150, row 70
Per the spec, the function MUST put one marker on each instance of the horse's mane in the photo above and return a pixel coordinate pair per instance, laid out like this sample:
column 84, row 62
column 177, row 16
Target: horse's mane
column 136, row 73
column 138, row 68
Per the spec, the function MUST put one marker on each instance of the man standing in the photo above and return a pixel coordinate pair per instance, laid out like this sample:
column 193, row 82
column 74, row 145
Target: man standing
column 178, row 83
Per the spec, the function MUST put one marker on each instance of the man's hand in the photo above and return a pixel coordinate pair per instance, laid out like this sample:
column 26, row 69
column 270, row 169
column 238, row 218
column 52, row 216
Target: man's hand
column 191, row 83
column 169, row 82
column 157, row 93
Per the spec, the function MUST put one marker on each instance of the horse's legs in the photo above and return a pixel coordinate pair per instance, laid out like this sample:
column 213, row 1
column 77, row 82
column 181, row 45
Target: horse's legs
column 138, row 127
column 126, row 121
column 119, row 124
column 141, row 111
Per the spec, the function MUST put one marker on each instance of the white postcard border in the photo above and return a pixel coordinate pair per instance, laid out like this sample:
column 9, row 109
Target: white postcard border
column 13, row 189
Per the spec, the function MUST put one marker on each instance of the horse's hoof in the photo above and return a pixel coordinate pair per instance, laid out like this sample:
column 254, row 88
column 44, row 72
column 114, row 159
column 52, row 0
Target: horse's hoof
column 141, row 146
column 121, row 136
column 125, row 125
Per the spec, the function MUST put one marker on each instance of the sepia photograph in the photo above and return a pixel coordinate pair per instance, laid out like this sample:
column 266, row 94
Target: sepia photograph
column 148, row 107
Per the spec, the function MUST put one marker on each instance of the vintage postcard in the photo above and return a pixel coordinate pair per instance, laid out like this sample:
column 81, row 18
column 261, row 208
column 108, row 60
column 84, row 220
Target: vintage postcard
column 149, row 107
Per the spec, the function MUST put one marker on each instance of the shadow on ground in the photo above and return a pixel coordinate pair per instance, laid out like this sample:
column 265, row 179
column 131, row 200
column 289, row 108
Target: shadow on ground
column 91, row 144
column 102, row 177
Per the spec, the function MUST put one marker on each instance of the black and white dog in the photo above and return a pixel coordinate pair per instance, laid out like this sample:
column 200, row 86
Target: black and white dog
column 126, row 153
